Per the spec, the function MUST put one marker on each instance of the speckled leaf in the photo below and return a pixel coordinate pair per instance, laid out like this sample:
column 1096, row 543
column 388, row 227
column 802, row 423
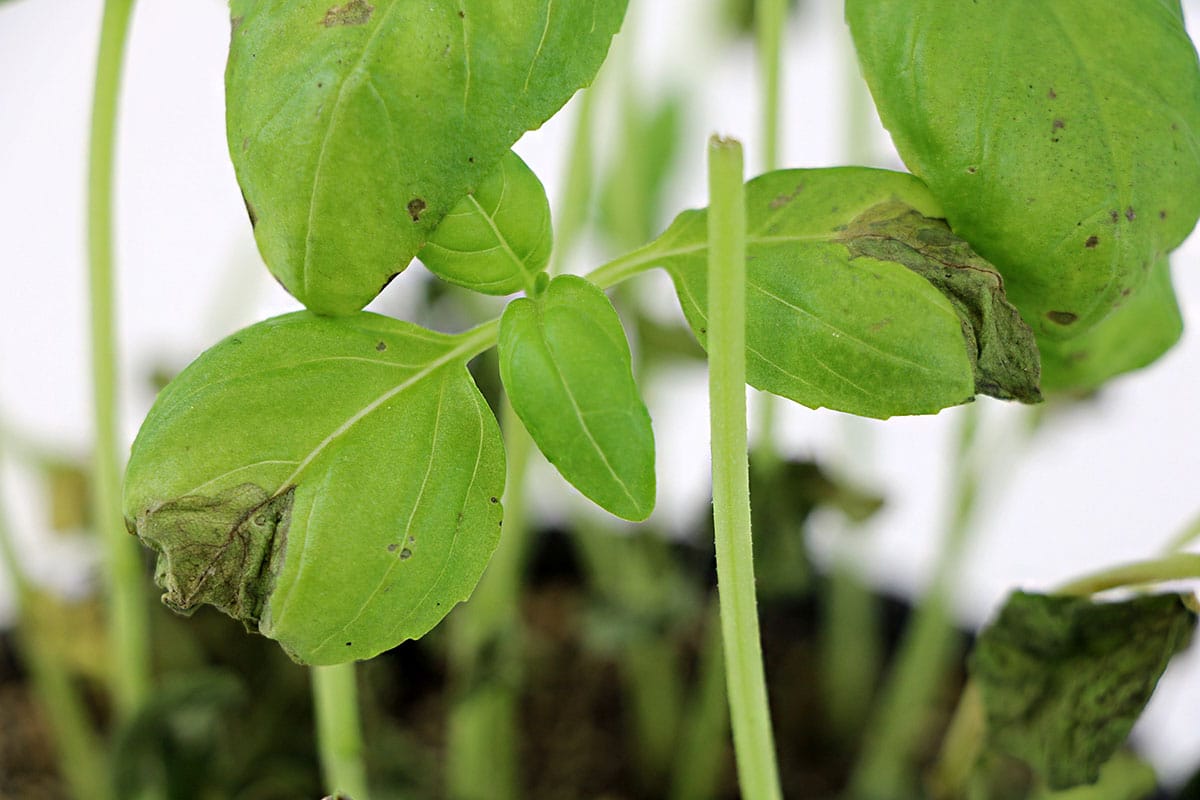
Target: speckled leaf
column 498, row 238
column 1063, row 679
column 1134, row 336
column 332, row 483
column 565, row 364
column 355, row 127
column 829, row 322
column 1061, row 138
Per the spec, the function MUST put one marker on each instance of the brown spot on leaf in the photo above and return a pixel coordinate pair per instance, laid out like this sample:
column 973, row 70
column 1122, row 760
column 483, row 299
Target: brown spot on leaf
column 783, row 199
column 1115, row 216
column 405, row 554
column 972, row 170
column 381, row 346
column 391, row 548
column 1130, row 214
column 1062, row 317
column 1092, row 242
column 1059, row 124
column 415, row 207
column 1162, row 214
column 353, row 12
column 1053, row 95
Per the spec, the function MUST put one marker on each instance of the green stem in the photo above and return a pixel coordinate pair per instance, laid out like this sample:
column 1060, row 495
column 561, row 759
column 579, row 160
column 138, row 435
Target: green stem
column 887, row 765
column 1189, row 534
column 80, row 758
column 753, row 741
column 485, row 653
column 339, row 731
column 1175, row 567
column 850, row 649
column 698, row 768
column 577, row 190
column 129, row 623
column 770, row 18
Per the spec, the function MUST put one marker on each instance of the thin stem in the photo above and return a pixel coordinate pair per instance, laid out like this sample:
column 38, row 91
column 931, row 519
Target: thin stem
column 339, row 732
column 1175, row 567
column 1189, row 534
column 485, row 654
column 577, row 190
column 80, row 758
column 704, row 732
column 626, row 266
column 753, row 741
column 129, row 623
column 887, row 764
column 770, row 17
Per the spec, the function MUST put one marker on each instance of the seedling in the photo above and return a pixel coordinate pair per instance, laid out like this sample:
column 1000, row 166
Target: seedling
column 333, row 478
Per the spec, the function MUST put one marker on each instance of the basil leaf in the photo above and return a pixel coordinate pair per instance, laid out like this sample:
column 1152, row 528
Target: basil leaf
column 355, row 127
column 498, row 237
column 1134, row 336
column 1062, row 138
column 331, row 482
column 1063, row 679
column 837, row 314
column 565, row 364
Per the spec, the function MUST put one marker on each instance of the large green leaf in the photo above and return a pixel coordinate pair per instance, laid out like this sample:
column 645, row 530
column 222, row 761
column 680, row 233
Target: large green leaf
column 565, row 364
column 332, row 483
column 1063, row 679
column 1061, row 137
column 355, row 128
column 838, row 311
column 1132, row 337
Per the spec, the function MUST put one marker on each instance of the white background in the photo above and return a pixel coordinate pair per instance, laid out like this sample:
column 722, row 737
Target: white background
column 1105, row 483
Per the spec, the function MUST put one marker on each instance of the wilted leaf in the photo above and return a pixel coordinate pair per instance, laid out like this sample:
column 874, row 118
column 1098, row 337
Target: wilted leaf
column 1063, row 679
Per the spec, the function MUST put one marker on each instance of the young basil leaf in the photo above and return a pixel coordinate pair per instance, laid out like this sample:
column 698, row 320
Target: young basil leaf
column 1133, row 336
column 332, row 483
column 838, row 313
column 355, row 127
column 1056, row 149
column 565, row 364
column 1063, row 679
column 498, row 237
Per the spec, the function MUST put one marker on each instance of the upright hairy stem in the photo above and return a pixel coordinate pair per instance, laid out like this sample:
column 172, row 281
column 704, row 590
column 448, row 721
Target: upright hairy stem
column 754, row 744
column 127, row 607
column 339, row 732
